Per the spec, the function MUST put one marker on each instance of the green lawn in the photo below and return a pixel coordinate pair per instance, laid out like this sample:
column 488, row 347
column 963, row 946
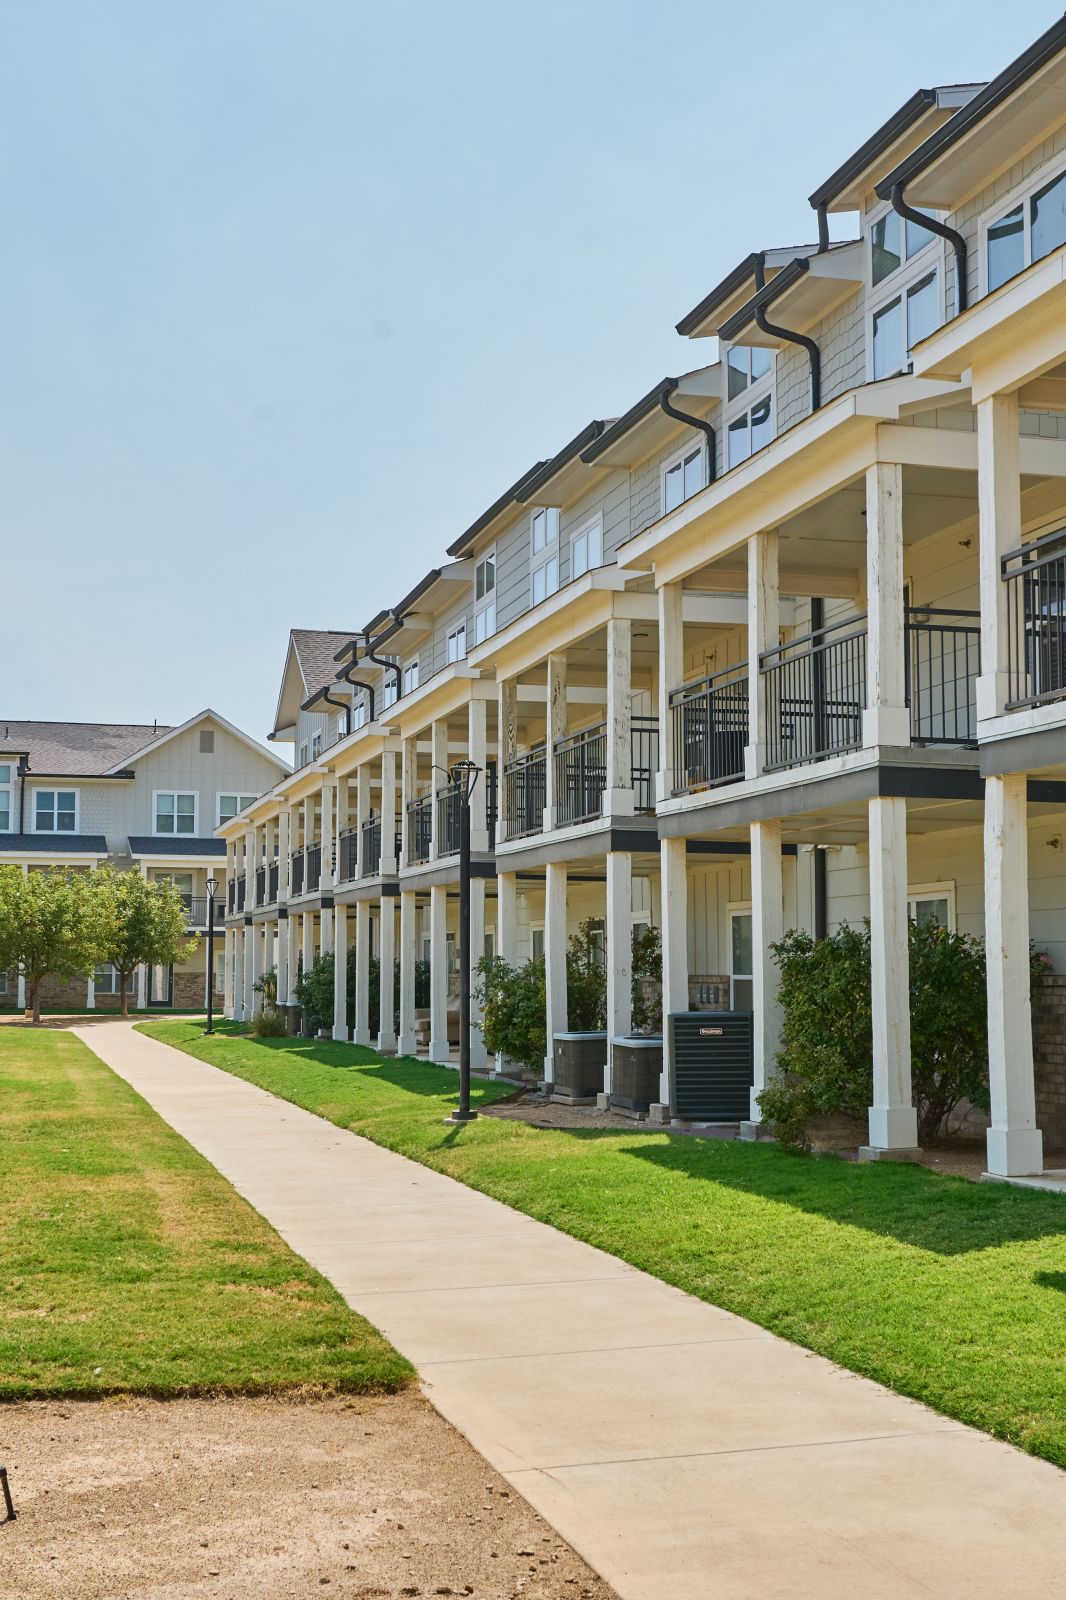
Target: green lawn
column 950, row 1291
column 127, row 1264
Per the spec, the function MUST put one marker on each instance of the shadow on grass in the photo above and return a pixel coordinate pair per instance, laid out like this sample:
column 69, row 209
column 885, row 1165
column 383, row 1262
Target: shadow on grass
column 1051, row 1280
column 931, row 1211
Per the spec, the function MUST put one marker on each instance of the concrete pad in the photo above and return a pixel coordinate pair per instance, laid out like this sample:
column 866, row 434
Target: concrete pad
column 683, row 1451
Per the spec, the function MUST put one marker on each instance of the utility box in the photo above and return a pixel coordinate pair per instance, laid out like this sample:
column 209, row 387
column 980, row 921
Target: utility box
column 580, row 1065
column 636, row 1065
column 714, row 1065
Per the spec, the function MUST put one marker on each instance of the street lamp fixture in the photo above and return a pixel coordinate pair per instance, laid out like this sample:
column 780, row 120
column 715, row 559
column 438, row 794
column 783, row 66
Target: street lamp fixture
column 212, row 890
column 464, row 776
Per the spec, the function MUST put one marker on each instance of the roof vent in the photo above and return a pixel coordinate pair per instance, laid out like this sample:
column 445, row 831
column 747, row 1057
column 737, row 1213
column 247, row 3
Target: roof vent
column 207, row 741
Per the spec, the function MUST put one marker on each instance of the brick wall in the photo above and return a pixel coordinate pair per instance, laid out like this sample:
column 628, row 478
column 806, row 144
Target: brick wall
column 1049, row 1055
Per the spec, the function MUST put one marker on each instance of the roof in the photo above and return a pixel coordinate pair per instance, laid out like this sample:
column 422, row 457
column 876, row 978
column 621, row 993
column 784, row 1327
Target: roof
column 922, row 104
column 76, row 749
column 169, row 845
column 315, row 652
column 827, row 276
column 60, row 844
column 507, row 498
column 643, row 407
column 733, row 287
column 535, row 481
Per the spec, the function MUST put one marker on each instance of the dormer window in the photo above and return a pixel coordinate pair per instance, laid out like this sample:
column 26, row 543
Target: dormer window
column 457, row 643
column 1033, row 226
column 389, row 691
column 544, row 542
column 358, row 714
column 901, row 259
column 586, row 548
column 484, row 598
column 410, row 677
column 683, row 477
column 749, row 398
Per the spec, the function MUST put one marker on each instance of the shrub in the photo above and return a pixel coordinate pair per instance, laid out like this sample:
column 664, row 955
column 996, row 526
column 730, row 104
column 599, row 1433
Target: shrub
column 314, row 991
column 514, row 1010
column 268, row 1023
column 266, row 985
column 586, row 980
column 647, row 981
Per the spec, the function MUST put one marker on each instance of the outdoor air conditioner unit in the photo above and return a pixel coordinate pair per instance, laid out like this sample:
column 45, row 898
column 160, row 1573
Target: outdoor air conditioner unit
column 713, row 1061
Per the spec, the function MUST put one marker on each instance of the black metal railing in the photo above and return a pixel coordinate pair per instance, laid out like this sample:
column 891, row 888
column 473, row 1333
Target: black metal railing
column 815, row 688
column 196, row 909
column 272, row 883
column 942, row 662
column 260, row 885
column 644, row 763
column 525, row 794
column 348, row 865
column 241, row 888
column 1035, row 576
column 449, row 807
column 709, row 723
column 296, row 870
column 313, row 870
column 491, row 800
column 231, row 896
column 370, row 847
column 419, row 829
column 580, row 775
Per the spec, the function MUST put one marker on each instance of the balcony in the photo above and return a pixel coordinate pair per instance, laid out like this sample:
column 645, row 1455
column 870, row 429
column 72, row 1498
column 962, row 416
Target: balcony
column 370, row 847
column 231, row 896
column 348, row 864
column 196, row 910
column 1035, row 579
column 241, row 889
column 449, row 808
column 525, row 784
column 581, row 771
column 272, row 884
column 419, row 830
column 313, row 869
column 491, row 799
column 260, row 886
column 709, row 722
column 296, row 873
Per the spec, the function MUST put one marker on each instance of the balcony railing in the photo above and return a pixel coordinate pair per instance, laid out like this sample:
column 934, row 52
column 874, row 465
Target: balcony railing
column 709, row 722
column 1035, row 577
column 644, row 744
column 272, row 883
column 348, row 865
column 297, row 873
column 419, row 829
column 313, row 870
column 815, row 688
column 580, row 775
column 241, row 888
column 370, row 847
column 196, row 910
column 260, row 885
column 525, row 794
column 449, row 806
column 942, row 663
column 231, row 896
column 491, row 800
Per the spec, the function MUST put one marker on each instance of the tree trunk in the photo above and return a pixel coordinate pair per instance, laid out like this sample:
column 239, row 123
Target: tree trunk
column 35, row 1000
column 124, row 999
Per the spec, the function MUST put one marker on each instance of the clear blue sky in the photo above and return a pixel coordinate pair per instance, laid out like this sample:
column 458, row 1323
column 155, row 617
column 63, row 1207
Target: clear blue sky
column 292, row 291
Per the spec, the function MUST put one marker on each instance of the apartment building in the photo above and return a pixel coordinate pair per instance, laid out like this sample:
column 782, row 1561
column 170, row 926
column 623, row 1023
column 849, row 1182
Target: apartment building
column 781, row 646
column 138, row 797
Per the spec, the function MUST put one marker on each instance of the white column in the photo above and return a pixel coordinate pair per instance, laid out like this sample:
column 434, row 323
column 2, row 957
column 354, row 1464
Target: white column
column 999, row 511
column 284, row 956
column 405, row 1044
column 326, row 880
column 673, row 917
column 554, row 959
column 619, row 953
column 438, row 973
column 477, row 749
column 886, row 719
column 387, row 966
column 1015, row 1145
column 283, row 858
column 618, row 799
column 478, row 1054
column 893, row 1120
column 90, row 993
column 307, row 941
column 249, row 870
column 361, row 1031
column 767, row 927
column 340, row 972
column 764, row 633
column 506, row 749
column 325, row 932
column 255, row 939
column 556, row 729
column 228, row 942
column 363, row 806
column 238, row 975
column 388, row 814
column 671, row 673
column 248, row 996
column 408, row 786
column 506, row 935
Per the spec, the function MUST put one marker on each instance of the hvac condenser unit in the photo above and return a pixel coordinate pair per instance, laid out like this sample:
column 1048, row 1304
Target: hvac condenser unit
column 713, row 1065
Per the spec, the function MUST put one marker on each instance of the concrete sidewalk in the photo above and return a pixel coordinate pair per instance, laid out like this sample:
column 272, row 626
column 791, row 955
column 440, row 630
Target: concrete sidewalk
column 684, row 1452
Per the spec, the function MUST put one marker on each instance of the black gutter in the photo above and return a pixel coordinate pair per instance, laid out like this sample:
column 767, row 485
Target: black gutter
column 952, row 235
column 342, row 705
column 908, row 114
column 383, row 662
column 548, row 469
column 417, row 592
column 1000, row 88
column 636, row 413
column 509, row 495
column 693, row 422
column 359, row 683
column 755, row 311
column 720, row 293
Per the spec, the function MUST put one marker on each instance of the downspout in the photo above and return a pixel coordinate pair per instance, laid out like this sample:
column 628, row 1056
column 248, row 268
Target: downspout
column 342, row 705
column 813, row 353
column 359, row 683
column 383, row 662
column 823, row 227
column 934, row 225
column 694, row 422
column 22, row 769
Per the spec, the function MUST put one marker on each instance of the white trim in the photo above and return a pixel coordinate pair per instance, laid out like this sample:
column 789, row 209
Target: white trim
column 9, row 789
column 895, row 286
column 55, row 789
column 453, row 633
column 737, row 908
column 157, row 833
column 934, row 891
column 487, row 602
column 245, row 799
column 590, row 526
column 408, row 668
column 1021, row 193
column 201, row 716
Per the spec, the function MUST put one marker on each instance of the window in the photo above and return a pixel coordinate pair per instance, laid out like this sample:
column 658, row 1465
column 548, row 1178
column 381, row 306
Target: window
column 410, row 678
column 304, row 753
column 55, row 811
column 913, row 310
column 544, row 528
column 359, row 714
column 457, row 643
column 1030, row 230
column 749, row 402
column 316, row 746
column 105, row 980
column 175, row 813
column 544, row 538
column 889, row 247
column 389, row 690
column 932, row 903
column 6, row 787
column 586, row 548
column 230, row 804
column 741, row 983
column 683, row 478
column 545, row 579
column 484, row 599
column 537, row 938
column 220, row 972
column 899, row 325
column 3, row 985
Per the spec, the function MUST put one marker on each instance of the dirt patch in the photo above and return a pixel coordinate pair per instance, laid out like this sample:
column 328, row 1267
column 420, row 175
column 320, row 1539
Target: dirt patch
column 542, row 1113
column 256, row 1498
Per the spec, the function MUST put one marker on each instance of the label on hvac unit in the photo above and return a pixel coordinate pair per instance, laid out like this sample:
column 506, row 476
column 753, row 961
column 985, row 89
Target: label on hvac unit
column 711, row 1033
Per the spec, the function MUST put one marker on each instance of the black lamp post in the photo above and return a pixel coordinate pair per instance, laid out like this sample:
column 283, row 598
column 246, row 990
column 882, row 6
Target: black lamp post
column 212, row 890
column 464, row 775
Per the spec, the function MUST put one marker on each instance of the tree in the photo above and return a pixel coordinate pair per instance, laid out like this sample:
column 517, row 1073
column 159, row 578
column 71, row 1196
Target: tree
column 52, row 923
column 142, row 922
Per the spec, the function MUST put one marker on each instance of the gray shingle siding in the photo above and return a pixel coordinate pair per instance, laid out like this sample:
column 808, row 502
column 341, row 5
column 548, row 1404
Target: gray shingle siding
column 512, row 570
column 967, row 219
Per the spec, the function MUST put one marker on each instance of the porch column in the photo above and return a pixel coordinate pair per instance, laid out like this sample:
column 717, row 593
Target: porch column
column 238, row 975
column 284, row 954
column 767, row 926
column 479, row 1056
column 340, row 972
column 1015, row 1145
column 408, row 786
column 477, row 749
column 248, row 941
column 361, row 1031
column 886, row 719
column 438, row 777
column 506, row 750
column 999, row 514
column 671, row 672
column 387, row 976
column 326, row 880
column 364, row 804
column 893, row 1120
column 228, row 942
column 90, row 993
column 325, row 928
column 256, row 941
column 673, row 889
column 438, row 973
column 307, row 941
column 506, row 935
column 388, row 814
column 556, row 730
column 619, row 952
column 405, row 1044
column 249, row 868
column 618, row 799
column 554, row 959
column 308, row 832
column 283, row 857
column 764, row 633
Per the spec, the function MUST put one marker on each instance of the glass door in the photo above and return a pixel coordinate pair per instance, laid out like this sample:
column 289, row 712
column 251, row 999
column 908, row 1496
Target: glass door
column 741, row 986
column 160, row 985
